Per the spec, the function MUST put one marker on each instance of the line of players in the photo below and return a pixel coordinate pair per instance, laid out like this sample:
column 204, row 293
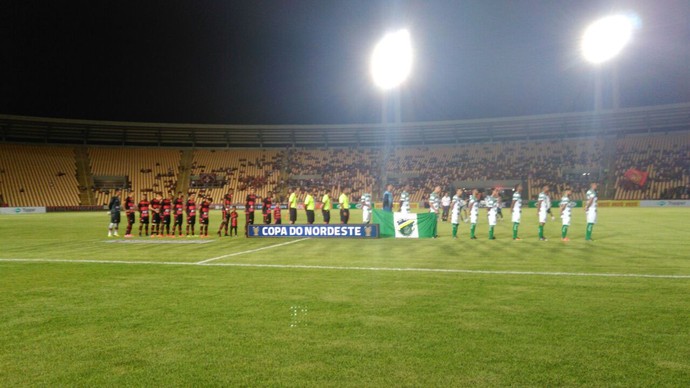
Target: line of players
column 459, row 206
column 160, row 213
column 492, row 203
column 166, row 211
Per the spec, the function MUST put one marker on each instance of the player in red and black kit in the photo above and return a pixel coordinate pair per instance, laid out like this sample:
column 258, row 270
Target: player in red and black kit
column 130, row 211
column 156, row 215
column 204, row 211
column 144, row 214
column 178, row 212
column 166, row 204
column 190, row 208
column 276, row 214
column 266, row 208
column 249, row 208
column 227, row 204
column 233, row 221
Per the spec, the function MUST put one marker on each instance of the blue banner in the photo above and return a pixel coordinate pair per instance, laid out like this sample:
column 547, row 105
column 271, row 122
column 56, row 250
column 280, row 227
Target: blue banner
column 327, row 231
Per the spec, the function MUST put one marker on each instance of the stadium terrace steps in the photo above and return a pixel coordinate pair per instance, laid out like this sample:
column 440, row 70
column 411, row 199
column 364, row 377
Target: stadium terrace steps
column 240, row 168
column 38, row 175
column 150, row 170
column 185, row 168
column 84, row 176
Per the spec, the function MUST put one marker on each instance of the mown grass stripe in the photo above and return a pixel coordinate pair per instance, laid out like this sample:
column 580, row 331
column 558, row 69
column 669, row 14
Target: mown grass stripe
column 351, row 268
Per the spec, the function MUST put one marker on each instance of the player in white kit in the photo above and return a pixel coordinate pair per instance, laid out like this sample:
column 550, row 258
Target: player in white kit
column 492, row 206
column 474, row 212
column 456, row 206
column 516, row 210
column 367, row 206
column 543, row 206
column 435, row 203
column 566, row 206
column 405, row 200
column 591, row 210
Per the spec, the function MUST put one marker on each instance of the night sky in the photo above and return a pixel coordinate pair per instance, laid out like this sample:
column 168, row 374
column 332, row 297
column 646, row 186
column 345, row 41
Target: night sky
column 306, row 62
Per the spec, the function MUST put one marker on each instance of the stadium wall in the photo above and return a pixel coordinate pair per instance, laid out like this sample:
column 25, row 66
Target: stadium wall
column 661, row 118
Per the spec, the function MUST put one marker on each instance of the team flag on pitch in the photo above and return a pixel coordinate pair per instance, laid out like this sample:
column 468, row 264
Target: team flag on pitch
column 405, row 225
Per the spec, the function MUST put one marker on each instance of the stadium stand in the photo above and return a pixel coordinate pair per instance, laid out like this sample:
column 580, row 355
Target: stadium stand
column 239, row 169
column 563, row 149
column 38, row 175
column 549, row 161
column 150, row 170
column 666, row 159
column 156, row 170
column 335, row 169
column 537, row 162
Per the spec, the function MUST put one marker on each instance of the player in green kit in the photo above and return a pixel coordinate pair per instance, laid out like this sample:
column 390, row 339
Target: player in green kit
column 474, row 212
column 591, row 210
column 492, row 206
column 405, row 200
column 455, row 206
column 435, row 203
column 516, row 210
column 565, row 205
column 543, row 206
column 367, row 207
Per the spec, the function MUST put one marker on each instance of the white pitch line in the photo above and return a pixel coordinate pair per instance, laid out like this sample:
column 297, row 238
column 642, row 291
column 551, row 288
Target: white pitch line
column 337, row 268
column 451, row 270
column 251, row 251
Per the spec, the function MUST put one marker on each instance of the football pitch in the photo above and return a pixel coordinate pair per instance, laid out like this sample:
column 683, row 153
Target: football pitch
column 80, row 309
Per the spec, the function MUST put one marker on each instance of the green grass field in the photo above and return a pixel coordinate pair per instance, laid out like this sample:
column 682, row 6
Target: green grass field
column 325, row 312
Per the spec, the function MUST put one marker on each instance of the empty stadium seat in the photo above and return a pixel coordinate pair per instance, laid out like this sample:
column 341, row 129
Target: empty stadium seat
column 38, row 175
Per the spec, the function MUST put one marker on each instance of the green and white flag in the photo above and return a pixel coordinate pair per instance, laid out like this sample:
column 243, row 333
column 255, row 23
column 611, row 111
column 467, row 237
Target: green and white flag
column 405, row 225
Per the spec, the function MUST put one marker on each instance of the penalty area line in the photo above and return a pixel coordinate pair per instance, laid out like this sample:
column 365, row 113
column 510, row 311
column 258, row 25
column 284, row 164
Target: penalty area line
column 337, row 268
column 204, row 262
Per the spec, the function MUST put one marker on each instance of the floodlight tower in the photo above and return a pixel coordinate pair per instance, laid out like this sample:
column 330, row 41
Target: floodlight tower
column 601, row 42
column 391, row 64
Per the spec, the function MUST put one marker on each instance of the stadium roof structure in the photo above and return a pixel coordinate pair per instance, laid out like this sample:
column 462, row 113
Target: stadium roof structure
column 660, row 118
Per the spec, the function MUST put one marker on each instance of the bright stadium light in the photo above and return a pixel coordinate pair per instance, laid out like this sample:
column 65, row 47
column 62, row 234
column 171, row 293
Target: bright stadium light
column 391, row 61
column 606, row 37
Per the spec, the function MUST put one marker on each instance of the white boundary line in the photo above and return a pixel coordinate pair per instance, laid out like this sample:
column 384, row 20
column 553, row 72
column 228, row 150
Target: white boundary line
column 251, row 251
column 337, row 268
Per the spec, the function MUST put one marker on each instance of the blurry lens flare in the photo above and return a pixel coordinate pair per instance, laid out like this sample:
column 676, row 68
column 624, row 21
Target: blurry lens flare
column 391, row 61
column 606, row 37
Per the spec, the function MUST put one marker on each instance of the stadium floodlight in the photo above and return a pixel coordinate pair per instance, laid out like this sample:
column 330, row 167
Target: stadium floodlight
column 606, row 38
column 391, row 61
